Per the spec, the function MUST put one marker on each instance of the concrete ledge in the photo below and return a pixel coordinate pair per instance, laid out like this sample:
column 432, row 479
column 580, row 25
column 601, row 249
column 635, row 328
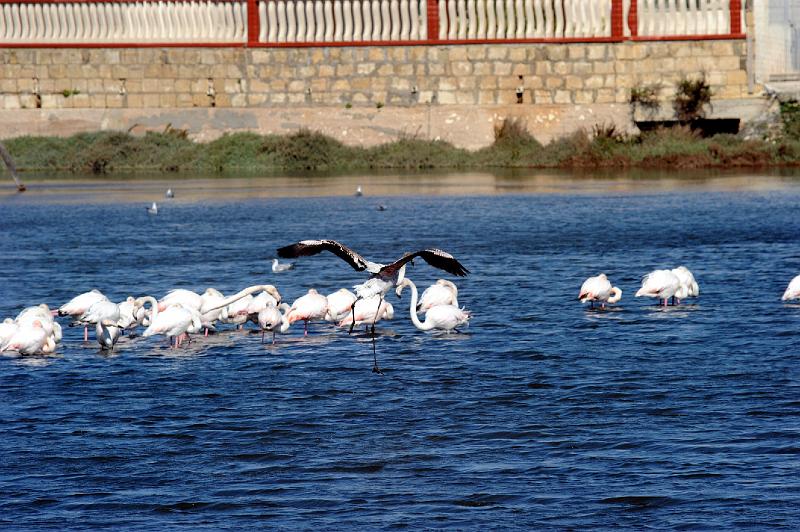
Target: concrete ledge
column 466, row 126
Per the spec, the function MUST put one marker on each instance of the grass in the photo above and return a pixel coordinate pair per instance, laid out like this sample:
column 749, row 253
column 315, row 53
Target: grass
column 603, row 147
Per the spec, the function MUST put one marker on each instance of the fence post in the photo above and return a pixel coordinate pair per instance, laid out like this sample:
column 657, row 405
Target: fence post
column 736, row 16
column 253, row 24
column 617, row 12
column 633, row 18
column 433, row 20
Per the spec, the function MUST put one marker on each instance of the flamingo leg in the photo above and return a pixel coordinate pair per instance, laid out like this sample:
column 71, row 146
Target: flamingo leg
column 262, row 336
column 273, row 337
column 305, row 327
column 375, row 368
column 206, row 333
column 353, row 323
column 85, row 333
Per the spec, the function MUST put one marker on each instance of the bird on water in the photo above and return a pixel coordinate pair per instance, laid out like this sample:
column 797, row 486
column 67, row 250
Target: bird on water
column 382, row 276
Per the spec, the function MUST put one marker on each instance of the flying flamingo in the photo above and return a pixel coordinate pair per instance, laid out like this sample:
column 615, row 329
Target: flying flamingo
column 598, row 288
column 443, row 292
column 793, row 290
column 442, row 317
column 662, row 284
column 382, row 276
column 312, row 306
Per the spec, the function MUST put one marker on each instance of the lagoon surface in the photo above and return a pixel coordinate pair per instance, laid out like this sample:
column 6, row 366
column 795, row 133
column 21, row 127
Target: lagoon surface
column 543, row 414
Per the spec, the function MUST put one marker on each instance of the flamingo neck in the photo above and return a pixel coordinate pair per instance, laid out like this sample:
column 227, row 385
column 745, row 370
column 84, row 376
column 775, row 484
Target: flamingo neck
column 239, row 295
column 412, row 309
column 153, row 306
column 616, row 295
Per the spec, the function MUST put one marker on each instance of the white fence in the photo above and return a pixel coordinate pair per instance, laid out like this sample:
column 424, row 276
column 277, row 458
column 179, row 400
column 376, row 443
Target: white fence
column 134, row 22
column 664, row 18
column 348, row 21
column 523, row 19
column 342, row 20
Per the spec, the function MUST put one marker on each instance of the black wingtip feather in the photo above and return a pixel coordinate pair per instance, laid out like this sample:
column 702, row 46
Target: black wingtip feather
column 288, row 252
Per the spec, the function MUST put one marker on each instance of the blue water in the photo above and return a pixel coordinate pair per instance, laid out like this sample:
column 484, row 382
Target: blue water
column 543, row 414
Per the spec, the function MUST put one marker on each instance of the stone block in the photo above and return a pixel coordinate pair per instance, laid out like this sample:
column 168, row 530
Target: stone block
column 326, row 71
column 8, row 85
column 98, row 101
column 543, row 68
column 167, row 100
column 446, row 97
column 576, row 51
column 518, row 54
column 183, row 100
column 198, row 100
column 365, row 69
column 467, row 83
column 151, row 100
column 114, row 101
column 521, row 69
column 476, row 52
column 448, row 84
column 488, row 82
column 554, row 82
column 403, row 69
column 722, row 48
column 574, row 82
column 482, row 68
column 497, row 53
column 461, row 68
column 378, row 54
column 239, row 100
column 508, row 82
column 593, row 82
column 582, row 68
column 487, row 97
column 436, row 69
column 603, row 67
column 397, row 53
column 502, row 69
column 543, row 96
column 12, row 101
column 597, row 52
column 583, row 96
column 562, row 97
column 135, row 101
column 556, row 52
column 465, row 98
column 562, row 68
column 506, row 98
column 222, row 100
column 605, row 96
column 736, row 77
column 457, row 53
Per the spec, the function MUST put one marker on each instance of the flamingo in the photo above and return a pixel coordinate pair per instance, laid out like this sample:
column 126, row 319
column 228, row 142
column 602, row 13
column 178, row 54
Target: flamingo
column 339, row 303
column 80, row 304
column 662, row 284
column 173, row 322
column 442, row 317
column 101, row 310
column 45, row 315
column 443, row 292
column 185, row 297
column 598, row 288
column 30, row 339
column 107, row 333
column 793, row 290
column 364, row 312
column 7, row 330
column 312, row 306
column 271, row 319
column 688, row 288
column 280, row 268
column 382, row 276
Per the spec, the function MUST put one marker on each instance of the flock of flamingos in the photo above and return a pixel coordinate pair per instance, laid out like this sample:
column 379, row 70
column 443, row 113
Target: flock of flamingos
column 182, row 312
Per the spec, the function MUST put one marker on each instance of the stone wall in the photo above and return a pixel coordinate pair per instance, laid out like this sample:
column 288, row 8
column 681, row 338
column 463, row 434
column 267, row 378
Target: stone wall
column 557, row 79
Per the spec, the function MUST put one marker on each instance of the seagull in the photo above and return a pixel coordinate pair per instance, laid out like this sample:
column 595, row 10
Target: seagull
column 382, row 276
column 359, row 193
column 152, row 209
column 280, row 268
column 169, row 193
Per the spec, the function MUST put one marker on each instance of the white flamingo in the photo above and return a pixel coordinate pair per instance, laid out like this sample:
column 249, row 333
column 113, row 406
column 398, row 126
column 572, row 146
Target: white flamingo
column 172, row 322
column 80, row 304
column 7, row 330
column 662, row 284
column 382, row 276
column 443, row 292
column 107, row 333
column 364, row 312
column 793, row 290
column 42, row 313
column 30, row 339
column 339, row 303
column 688, row 288
column 598, row 288
column 270, row 319
column 441, row 317
column 311, row 307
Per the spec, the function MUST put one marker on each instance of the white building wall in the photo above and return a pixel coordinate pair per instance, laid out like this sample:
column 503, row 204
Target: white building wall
column 777, row 39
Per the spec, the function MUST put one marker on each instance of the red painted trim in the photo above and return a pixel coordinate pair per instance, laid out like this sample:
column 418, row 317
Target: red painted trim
column 727, row 37
column 736, row 16
column 123, row 45
column 253, row 22
column 433, row 19
column 617, row 12
column 429, row 42
column 633, row 18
